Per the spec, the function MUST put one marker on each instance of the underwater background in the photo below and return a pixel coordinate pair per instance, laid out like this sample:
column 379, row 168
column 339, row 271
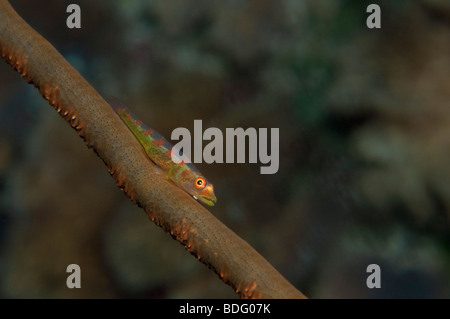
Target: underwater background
column 364, row 121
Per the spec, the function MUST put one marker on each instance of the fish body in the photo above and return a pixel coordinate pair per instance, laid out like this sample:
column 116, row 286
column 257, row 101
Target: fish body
column 158, row 149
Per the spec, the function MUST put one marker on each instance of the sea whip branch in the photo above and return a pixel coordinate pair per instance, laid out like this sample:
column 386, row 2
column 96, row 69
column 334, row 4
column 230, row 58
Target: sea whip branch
column 233, row 259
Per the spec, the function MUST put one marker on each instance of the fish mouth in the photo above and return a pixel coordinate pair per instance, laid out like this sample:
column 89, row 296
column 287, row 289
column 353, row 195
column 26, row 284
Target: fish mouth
column 209, row 200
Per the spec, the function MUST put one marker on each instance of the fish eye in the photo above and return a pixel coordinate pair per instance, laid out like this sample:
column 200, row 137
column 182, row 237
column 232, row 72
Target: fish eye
column 200, row 183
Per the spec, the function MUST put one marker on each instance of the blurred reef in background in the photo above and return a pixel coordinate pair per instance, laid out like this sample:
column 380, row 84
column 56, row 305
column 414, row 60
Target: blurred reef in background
column 364, row 122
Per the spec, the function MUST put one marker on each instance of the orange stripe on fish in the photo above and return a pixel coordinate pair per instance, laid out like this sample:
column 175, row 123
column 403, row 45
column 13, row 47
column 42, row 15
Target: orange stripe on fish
column 159, row 150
